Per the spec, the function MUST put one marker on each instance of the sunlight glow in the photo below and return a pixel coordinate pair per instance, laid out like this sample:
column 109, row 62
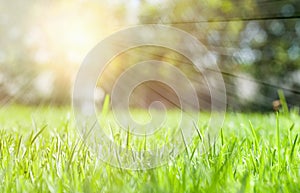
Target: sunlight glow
column 64, row 33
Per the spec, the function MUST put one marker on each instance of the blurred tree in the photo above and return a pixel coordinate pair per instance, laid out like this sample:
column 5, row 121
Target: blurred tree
column 256, row 44
column 277, row 49
column 43, row 43
column 206, row 20
column 16, row 66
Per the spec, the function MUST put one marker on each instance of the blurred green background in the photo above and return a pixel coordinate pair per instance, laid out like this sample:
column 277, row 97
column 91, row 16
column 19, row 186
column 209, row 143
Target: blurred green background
column 256, row 44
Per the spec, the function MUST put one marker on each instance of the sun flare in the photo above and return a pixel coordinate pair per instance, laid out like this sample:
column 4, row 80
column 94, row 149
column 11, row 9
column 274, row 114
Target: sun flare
column 64, row 33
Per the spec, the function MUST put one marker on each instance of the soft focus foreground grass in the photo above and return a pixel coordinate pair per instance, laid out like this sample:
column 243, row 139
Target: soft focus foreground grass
column 40, row 151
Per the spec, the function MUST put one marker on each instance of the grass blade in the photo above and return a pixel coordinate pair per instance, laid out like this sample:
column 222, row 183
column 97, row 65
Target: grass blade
column 105, row 107
column 293, row 147
column 185, row 144
column 278, row 140
column 283, row 102
column 254, row 135
column 38, row 133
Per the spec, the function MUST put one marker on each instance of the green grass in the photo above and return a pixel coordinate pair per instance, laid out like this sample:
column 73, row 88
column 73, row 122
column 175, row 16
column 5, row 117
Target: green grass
column 40, row 151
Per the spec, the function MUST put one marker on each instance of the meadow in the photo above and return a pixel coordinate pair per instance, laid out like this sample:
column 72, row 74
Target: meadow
column 40, row 151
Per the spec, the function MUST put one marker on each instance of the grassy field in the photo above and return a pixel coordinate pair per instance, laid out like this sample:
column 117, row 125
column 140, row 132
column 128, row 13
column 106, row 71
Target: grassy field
column 40, row 151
